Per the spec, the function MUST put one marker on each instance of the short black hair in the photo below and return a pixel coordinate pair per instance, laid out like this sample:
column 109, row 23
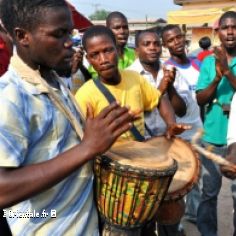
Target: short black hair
column 114, row 14
column 25, row 14
column 228, row 14
column 169, row 27
column 139, row 33
column 97, row 30
column 204, row 42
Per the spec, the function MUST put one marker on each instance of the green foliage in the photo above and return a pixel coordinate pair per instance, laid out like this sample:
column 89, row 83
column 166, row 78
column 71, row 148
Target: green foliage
column 99, row 15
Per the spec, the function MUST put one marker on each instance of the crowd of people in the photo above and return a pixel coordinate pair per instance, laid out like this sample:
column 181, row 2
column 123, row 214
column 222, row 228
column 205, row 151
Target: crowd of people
column 50, row 134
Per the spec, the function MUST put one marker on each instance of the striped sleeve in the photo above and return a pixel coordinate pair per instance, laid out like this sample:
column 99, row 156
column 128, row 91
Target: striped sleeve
column 13, row 135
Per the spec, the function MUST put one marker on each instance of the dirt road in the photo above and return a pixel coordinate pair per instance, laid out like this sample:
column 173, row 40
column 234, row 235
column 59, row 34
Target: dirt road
column 225, row 213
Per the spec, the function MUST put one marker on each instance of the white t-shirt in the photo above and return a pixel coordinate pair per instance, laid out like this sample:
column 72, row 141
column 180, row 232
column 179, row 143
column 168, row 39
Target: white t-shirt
column 189, row 74
column 192, row 116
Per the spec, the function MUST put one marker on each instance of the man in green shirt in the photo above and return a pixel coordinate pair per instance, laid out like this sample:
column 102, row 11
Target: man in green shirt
column 215, row 88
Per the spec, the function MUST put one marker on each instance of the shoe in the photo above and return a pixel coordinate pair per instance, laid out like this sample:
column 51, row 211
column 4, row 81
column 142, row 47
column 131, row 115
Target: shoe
column 181, row 232
column 190, row 219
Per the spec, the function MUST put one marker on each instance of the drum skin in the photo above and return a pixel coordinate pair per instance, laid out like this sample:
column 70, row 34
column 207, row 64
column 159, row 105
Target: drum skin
column 131, row 182
column 173, row 207
column 188, row 165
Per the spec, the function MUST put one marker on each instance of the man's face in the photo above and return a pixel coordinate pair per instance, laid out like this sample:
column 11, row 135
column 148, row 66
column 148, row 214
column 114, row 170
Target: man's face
column 174, row 40
column 49, row 44
column 227, row 33
column 149, row 48
column 102, row 55
column 120, row 29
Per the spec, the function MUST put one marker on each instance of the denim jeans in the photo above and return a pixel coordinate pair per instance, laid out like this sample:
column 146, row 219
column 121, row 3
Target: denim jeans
column 211, row 185
column 193, row 199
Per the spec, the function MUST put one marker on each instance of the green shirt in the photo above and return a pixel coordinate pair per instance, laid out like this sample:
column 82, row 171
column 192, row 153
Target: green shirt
column 216, row 122
column 127, row 60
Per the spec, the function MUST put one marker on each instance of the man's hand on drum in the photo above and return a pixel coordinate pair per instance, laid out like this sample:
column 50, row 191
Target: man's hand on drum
column 230, row 171
column 175, row 129
column 101, row 132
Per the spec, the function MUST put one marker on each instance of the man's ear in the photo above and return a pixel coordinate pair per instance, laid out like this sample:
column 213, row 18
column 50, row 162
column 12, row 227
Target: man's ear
column 21, row 36
column 87, row 57
column 163, row 44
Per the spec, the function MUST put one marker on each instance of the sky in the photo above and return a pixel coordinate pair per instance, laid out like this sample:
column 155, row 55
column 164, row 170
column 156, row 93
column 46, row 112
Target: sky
column 133, row 9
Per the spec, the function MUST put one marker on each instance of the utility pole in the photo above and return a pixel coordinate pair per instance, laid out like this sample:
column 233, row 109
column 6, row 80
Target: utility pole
column 146, row 18
column 96, row 5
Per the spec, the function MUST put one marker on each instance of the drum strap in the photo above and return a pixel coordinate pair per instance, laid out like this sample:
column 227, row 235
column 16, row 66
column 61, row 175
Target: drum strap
column 110, row 98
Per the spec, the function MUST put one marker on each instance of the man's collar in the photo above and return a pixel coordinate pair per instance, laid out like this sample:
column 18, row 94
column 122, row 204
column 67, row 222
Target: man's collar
column 137, row 66
column 140, row 69
column 27, row 73
column 233, row 62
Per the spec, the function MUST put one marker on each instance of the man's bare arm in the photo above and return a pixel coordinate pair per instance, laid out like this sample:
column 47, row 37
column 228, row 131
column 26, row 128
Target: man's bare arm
column 18, row 184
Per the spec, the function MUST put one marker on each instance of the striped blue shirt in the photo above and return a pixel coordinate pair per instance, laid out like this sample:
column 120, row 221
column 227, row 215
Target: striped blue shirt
column 33, row 130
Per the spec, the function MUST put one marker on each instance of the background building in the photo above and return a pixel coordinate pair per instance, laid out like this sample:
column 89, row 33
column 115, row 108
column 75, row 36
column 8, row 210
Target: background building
column 200, row 18
column 136, row 25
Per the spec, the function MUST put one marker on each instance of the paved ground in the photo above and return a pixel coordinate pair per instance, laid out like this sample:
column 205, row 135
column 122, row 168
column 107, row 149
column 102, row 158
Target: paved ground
column 225, row 215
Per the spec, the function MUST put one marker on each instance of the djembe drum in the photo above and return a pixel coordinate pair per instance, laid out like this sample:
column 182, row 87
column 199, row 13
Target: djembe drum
column 131, row 181
column 173, row 207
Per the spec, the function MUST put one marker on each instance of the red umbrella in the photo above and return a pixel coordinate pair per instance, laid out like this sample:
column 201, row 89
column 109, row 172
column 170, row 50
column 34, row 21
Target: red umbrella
column 81, row 22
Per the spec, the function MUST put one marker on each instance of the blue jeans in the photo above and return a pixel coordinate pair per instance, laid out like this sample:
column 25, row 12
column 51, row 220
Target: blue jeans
column 193, row 199
column 211, row 184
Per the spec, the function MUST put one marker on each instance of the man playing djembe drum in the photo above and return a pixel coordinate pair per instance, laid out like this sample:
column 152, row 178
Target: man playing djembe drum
column 128, row 87
column 46, row 177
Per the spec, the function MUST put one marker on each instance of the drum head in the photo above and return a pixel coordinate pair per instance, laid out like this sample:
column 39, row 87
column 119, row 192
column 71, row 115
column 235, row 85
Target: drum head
column 188, row 164
column 140, row 155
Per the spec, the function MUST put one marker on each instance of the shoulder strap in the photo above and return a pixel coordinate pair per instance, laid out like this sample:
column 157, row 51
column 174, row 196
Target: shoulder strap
column 62, row 107
column 110, row 98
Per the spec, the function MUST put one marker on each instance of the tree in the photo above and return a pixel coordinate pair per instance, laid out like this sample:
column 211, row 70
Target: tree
column 99, row 15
